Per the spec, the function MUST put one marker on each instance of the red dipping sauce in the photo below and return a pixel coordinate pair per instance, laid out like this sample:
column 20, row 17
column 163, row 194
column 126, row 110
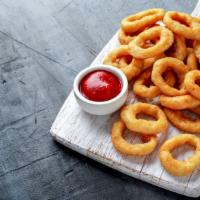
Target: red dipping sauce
column 100, row 85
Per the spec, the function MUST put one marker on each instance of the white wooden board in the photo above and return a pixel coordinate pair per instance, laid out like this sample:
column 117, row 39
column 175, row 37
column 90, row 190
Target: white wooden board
column 90, row 135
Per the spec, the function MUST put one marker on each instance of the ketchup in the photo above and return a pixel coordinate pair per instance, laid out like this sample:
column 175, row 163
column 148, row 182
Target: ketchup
column 100, row 85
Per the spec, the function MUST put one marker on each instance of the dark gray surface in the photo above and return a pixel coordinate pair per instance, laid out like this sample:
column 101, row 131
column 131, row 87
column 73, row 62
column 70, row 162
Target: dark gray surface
column 43, row 44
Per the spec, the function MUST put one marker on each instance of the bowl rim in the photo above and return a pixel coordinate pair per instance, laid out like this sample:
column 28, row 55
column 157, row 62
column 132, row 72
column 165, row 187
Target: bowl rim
column 92, row 68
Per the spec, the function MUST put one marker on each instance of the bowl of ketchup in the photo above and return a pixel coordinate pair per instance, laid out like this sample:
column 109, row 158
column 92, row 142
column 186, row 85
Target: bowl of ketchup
column 101, row 89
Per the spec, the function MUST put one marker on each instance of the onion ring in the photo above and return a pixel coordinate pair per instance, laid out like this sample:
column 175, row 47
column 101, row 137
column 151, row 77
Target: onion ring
column 179, row 120
column 131, row 70
column 140, row 20
column 190, row 83
column 129, row 116
column 179, row 102
column 178, row 49
column 182, row 24
column 191, row 60
column 141, row 90
column 126, row 148
column 179, row 167
column 163, row 64
column 138, row 50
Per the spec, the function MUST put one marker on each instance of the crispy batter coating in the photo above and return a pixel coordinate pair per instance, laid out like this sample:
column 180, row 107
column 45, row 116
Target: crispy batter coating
column 149, row 127
column 130, row 70
column 127, row 148
column 164, row 38
column 179, row 167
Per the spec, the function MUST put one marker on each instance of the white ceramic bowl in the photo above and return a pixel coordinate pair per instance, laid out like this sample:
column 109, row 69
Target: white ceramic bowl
column 104, row 107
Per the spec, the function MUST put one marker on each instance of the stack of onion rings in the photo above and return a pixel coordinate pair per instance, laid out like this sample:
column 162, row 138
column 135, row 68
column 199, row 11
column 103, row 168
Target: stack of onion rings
column 160, row 55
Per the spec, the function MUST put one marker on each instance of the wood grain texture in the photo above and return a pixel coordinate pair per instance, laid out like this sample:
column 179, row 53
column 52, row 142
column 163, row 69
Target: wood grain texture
column 90, row 136
column 43, row 44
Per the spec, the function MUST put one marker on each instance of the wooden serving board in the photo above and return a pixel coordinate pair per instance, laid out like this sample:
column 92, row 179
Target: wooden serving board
column 91, row 136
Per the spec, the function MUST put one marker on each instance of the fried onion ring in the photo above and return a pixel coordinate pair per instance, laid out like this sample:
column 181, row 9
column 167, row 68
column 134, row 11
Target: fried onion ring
column 180, row 167
column 149, row 127
column 191, row 60
column 137, row 45
column 190, row 83
column 126, row 148
column 131, row 70
column 141, row 90
column 178, row 49
column 182, row 122
column 140, row 20
column 182, row 24
column 163, row 64
column 179, row 102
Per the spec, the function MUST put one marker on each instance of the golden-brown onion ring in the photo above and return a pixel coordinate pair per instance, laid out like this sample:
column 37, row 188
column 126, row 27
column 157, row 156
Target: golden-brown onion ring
column 149, row 127
column 182, row 24
column 137, row 45
column 131, row 70
column 163, row 64
column 180, row 167
column 190, row 83
column 179, row 102
column 182, row 122
column 125, row 147
column 178, row 49
column 140, row 20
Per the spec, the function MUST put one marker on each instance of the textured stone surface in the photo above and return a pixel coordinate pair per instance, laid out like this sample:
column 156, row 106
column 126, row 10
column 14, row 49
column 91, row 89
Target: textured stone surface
column 42, row 46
